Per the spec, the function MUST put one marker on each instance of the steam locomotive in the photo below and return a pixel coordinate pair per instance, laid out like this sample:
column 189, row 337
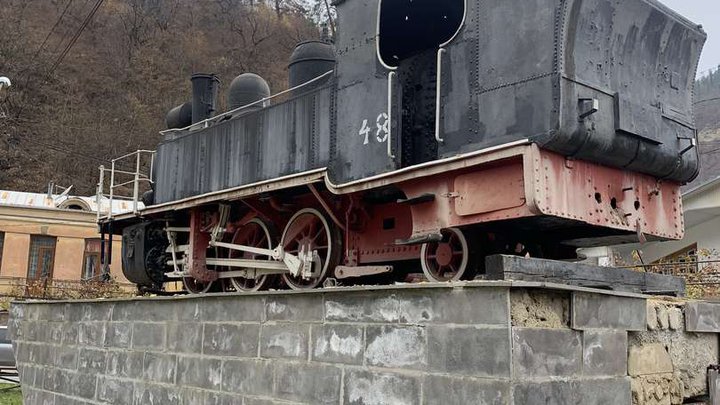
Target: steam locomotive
column 431, row 133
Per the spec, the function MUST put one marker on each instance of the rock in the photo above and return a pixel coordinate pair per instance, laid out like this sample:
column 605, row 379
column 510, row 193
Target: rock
column 675, row 317
column 652, row 319
column 662, row 316
column 649, row 359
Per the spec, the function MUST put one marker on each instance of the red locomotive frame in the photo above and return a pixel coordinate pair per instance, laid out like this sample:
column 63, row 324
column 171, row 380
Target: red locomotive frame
column 452, row 213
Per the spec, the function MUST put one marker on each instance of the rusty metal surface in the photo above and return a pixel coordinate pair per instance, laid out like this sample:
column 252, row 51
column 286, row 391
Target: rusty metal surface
column 606, row 197
column 489, row 190
column 629, row 203
column 376, row 242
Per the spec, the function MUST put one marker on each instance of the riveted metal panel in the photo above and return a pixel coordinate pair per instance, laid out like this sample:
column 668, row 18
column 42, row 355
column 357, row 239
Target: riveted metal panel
column 283, row 139
column 361, row 129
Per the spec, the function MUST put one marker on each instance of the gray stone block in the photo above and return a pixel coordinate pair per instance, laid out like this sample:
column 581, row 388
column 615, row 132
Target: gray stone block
column 184, row 337
column 118, row 334
column 337, row 343
column 22, row 351
column 381, row 306
column 586, row 392
column 148, row 336
column 592, row 311
column 26, row 374
column 284, row 340
column 231, row 340
column 17, row 311
column 146, row 394
column 91, row 334
column 544, row 393
column 367, row 388
column 125, row 364
column 546, row 352
column 124, row 312
column 307, row 382
column 70, row 333
column 29, row 330
column 52, row 379
column 264, row 401
column 714, row 386
column 443, row 390
column 295, row 308
column 232, row 309
column 456, row 306
column 91, row 361
column 40, row 397
column 41, row 354
column 114, row 391
column 192, row 396
column 51, row 332
column 702, row 317
column 14, row 328
column 144, row 311
column 479, row 352
column 93, row 311
column 199, row 372
column 396, row 346
column 65, row 400
column 248, row 377
column 605, row 391
column 224, row 399
column 159, row 367
column 47, row 312
column 82, row 385
column 605, row 353
column 187, row 311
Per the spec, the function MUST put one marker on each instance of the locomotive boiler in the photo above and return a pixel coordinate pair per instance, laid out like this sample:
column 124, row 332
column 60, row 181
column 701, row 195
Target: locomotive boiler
column 429, row 135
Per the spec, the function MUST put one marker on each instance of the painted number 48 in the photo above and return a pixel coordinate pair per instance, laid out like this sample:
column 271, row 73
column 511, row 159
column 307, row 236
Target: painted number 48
column 382, row 130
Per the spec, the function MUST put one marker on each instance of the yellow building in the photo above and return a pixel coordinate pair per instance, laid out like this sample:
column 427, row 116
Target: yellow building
column 52, row 239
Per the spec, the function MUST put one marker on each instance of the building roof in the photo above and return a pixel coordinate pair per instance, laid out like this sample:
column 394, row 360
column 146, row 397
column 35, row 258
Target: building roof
column 59, row 201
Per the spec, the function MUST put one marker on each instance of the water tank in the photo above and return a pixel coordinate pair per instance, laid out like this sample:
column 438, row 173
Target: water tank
column 247, row 89
column 205, row 91
column 180, row 116
column 309, row 60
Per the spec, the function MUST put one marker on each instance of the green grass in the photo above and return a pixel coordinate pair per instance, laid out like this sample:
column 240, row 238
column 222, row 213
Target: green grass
column 10, row 397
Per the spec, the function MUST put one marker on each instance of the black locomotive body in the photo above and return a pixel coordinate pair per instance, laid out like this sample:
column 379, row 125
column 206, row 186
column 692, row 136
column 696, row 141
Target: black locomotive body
column 424, row 107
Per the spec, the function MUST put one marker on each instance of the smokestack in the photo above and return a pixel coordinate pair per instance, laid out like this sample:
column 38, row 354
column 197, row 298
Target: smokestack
column 205, row 92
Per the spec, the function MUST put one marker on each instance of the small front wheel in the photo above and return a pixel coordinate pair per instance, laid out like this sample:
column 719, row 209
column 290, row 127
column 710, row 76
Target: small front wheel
column 449, row 259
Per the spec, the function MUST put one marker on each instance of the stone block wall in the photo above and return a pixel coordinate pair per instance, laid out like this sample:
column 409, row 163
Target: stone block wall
column 668, row 362
column 478, row 342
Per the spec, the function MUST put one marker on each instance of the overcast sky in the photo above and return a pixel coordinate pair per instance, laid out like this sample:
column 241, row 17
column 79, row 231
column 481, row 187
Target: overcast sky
column 706, row 13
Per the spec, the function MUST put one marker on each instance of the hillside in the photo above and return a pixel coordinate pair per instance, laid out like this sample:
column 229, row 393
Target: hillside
column 707, row 118
column 108, row 96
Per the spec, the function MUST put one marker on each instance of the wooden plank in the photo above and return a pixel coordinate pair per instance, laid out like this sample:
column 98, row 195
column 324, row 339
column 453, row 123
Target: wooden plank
column 502, row 267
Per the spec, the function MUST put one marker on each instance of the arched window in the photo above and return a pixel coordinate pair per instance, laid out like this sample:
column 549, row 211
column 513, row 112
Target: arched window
column 408, row 27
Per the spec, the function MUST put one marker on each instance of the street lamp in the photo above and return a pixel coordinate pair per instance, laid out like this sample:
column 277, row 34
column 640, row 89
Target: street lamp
column 4, row 82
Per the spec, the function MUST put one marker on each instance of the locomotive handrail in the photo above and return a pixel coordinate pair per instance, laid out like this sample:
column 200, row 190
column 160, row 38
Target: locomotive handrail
column 391, row 75
column 137, row 177
column 205, row 123
column 438, row 94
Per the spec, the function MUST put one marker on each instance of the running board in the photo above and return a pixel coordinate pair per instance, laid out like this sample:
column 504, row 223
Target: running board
column 421, row 199
column 419, row 240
